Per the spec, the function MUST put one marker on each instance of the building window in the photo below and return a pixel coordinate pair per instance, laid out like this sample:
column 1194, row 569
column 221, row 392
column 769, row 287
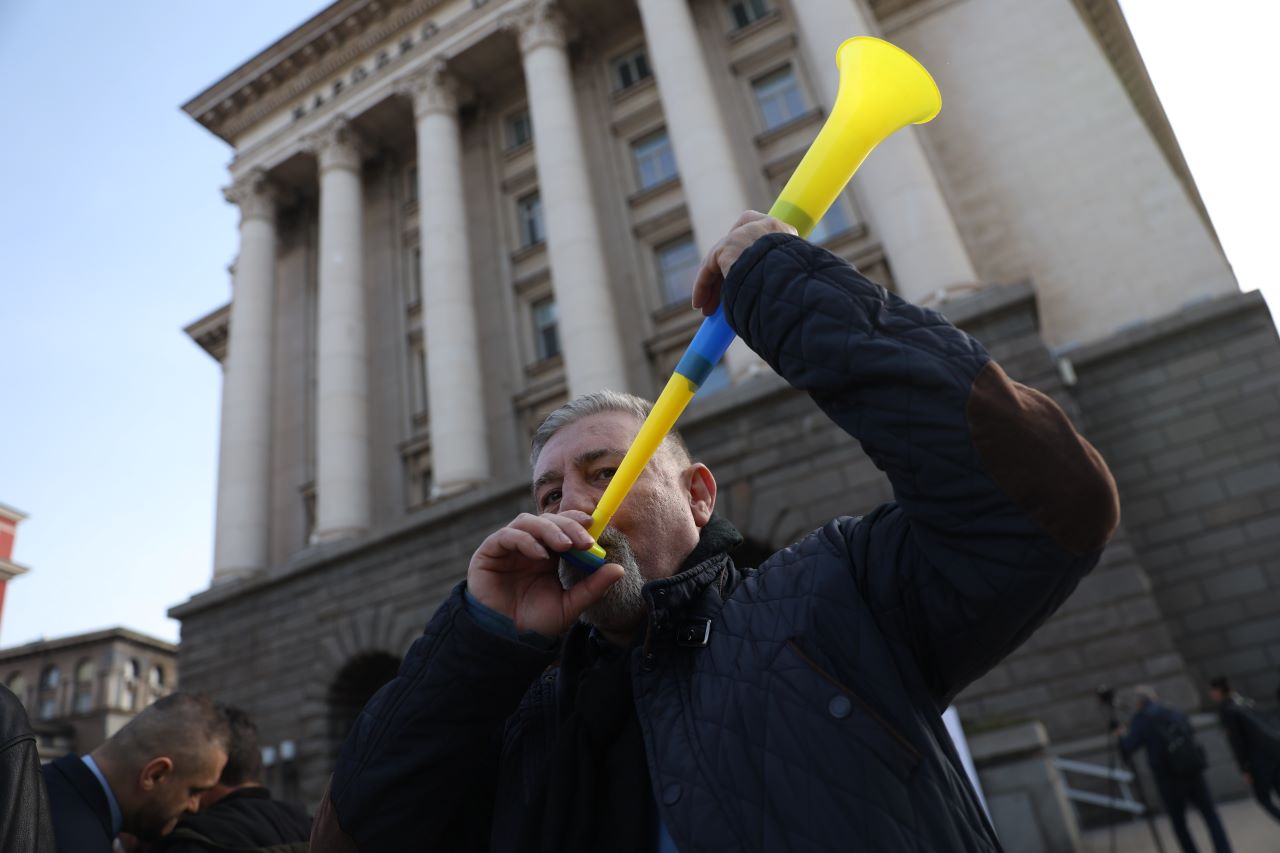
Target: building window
column 654, row 159
column 418, row 476
column 411, row 184
column 18, row 684
column 834, row 222
column 86, row 674
column 630, row 69
column 129, row 686
column 156, row 679
column 678, row 263
column 47, row 698
column 779, row 98
column 414, row 295
column 546, row 332
column 417, row 378
column 519, row 129
column 308, row 492
column 746, row 12
column 529, row 214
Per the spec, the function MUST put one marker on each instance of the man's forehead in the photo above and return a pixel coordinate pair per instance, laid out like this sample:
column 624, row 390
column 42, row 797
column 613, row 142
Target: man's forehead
column 605, row 431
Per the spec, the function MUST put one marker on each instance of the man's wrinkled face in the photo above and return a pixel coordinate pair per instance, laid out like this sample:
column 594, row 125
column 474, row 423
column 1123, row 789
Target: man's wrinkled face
column 652, row 531
column 175, row 794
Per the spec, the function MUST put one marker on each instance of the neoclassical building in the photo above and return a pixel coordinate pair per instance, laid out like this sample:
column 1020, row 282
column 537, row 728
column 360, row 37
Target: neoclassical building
column 456, row 214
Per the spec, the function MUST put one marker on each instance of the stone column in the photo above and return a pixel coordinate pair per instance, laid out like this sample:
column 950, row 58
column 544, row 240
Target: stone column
column 896, row 184
column 342, row 423
column 713, row 187
column 459, row 447
column 241, row 537
column 582, row 280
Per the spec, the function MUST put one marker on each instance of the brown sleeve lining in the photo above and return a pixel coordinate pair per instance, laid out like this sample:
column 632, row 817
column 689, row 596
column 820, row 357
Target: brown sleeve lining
column 327, row 835
column 1033, row 452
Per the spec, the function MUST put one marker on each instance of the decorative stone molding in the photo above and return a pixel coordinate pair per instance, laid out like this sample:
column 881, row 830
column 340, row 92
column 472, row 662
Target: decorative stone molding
column 337, row 145
column 432, row 90
column 255, row 194
column 539, row 23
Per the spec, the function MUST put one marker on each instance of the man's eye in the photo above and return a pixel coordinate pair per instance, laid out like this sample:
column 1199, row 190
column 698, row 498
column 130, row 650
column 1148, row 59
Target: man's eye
column 551, row 497
column 606, row 473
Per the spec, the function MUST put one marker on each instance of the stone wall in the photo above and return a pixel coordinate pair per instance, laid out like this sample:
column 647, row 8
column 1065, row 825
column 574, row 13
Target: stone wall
column 1186, row 412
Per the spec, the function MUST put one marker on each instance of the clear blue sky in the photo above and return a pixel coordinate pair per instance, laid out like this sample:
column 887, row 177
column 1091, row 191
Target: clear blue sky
column 114, row 236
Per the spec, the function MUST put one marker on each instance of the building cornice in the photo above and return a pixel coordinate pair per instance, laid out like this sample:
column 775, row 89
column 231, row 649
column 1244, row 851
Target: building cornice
column 10, row 570
column 211, row 331
column 1106, row 23
column 308, row 55
column 92, row 638
column 9, row 513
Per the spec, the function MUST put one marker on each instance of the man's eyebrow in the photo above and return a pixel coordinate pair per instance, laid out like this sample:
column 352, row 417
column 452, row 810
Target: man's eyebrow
column 592, row 455
column 582, row 459
column 547, row 477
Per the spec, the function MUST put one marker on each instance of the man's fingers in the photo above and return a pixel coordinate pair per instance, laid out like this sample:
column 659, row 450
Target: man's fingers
column 706, row 285
column 513, row 540
column 590, row 589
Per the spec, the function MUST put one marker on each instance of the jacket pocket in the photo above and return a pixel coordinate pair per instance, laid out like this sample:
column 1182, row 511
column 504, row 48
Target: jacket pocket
column 843, row 704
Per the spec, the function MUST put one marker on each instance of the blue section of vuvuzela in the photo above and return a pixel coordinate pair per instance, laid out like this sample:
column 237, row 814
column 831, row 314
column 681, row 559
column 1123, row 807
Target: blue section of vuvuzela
column 706, row 348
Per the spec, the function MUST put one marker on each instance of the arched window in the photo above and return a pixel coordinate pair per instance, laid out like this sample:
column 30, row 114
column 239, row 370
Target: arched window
column 18, row 684
column 47, row 698
column 129, row 685
column 156, row 678
column 86, row 681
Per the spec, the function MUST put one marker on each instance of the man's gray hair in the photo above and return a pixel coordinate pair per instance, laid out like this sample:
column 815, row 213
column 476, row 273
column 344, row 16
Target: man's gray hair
column 1145, row 693
column 596, row 404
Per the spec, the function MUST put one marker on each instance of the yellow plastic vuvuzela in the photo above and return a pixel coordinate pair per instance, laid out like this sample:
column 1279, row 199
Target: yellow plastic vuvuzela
column 882, row 89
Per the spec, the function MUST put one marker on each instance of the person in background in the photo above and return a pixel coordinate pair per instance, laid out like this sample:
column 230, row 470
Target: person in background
column 239, row 812
column 1255, row 742
column 141, row 779
column 1177, row 762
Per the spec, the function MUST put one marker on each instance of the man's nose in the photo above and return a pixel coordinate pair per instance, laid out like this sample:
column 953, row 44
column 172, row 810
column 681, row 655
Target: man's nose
column 580, row 498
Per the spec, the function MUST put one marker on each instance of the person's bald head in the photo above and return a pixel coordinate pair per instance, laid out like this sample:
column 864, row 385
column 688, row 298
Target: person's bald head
column 163, row 759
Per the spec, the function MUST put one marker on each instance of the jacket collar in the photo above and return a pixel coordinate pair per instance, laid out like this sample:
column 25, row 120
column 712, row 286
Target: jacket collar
column 700, row 569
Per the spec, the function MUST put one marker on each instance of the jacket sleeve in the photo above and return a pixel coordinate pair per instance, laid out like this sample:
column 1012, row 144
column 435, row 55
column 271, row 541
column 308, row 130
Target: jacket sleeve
column 419, row 768
column 1233, row 723
column 1136, row 737
column 26, row 824
column 1000, row 505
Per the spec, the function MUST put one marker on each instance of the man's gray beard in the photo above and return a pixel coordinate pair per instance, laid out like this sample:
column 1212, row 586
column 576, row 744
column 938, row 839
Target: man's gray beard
column 622, row 608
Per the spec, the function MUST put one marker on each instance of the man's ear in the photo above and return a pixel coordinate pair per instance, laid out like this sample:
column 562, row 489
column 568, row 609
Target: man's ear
column 702, row 493
column 154, row 772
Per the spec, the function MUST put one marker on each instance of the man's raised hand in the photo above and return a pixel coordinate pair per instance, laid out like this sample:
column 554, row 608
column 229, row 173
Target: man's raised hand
column 514, row 572
column 750, row 227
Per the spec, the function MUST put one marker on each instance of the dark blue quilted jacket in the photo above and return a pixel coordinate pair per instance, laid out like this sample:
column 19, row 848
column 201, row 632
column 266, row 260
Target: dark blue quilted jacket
column 795, row 706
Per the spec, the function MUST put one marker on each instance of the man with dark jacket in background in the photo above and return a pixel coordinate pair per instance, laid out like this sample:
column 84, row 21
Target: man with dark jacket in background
column 238, row 813
column 698, row 706
column 1177, row 762
column 1255, row 742
column 25, row 824
column 141, row 779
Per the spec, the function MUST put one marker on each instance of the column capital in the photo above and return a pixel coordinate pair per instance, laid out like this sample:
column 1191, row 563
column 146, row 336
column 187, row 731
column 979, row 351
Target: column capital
column 539, row 23
column 434, row 89
column 337, row 145
column 255, row 194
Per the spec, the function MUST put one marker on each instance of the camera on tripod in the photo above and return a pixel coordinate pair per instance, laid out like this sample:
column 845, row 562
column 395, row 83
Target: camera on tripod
column 1107, row 696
